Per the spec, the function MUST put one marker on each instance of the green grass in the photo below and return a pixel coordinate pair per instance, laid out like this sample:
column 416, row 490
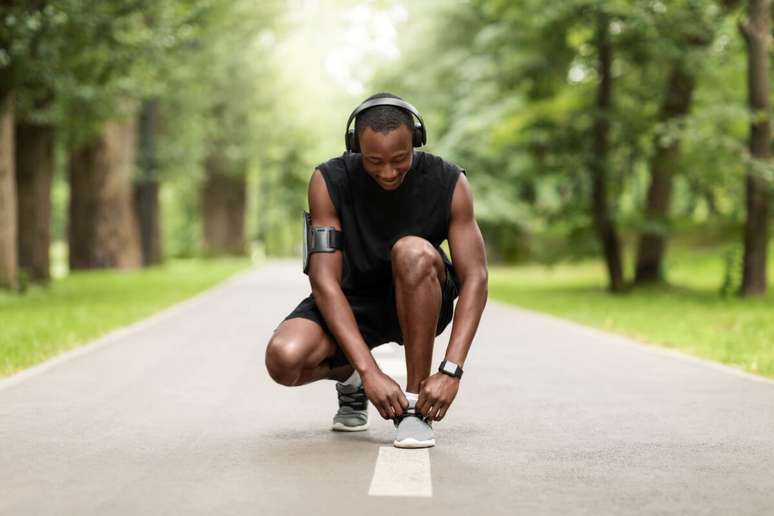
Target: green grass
column 45, row 321
column 689, row 315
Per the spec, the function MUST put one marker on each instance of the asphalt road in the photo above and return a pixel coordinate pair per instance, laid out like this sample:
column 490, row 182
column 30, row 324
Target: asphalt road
column 177, row 415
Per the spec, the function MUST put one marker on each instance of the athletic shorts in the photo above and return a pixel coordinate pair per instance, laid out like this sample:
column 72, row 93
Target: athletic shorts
column 376, row 315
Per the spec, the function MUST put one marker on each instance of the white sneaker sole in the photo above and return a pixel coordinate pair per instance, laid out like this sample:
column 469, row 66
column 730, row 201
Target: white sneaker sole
column 410, row 442
column 341, row 427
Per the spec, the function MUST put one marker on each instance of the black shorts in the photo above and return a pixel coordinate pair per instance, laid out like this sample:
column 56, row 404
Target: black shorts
column 376, row 315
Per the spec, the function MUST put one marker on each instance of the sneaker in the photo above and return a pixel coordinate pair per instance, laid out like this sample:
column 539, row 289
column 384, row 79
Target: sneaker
column 413, row 430
column 353, row 409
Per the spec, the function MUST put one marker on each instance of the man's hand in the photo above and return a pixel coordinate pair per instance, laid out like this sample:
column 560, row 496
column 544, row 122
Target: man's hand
column 436, row 394
column 384, row 393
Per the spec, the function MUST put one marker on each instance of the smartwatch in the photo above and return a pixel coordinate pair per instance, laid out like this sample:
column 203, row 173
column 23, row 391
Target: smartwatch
column 450, row 368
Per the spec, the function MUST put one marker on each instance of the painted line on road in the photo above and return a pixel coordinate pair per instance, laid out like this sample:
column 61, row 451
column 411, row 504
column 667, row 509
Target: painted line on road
column 402, row 472
column 118, row 334
column 391, row 359
column 392, row 366
column 387, row 350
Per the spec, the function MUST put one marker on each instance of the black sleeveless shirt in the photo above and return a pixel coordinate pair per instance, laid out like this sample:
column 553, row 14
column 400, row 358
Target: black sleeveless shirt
column 373, row 219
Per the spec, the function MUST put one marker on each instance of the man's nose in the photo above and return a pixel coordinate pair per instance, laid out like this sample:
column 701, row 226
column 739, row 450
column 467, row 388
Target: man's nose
column 389, row 172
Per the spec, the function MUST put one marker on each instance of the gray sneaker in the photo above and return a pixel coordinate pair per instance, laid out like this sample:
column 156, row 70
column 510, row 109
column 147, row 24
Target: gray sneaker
column 353, row 409
column 413, row 430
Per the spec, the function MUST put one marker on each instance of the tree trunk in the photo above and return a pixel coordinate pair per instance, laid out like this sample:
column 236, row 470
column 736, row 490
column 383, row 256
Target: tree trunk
column 146, row 190
column 34, row 174
column 756, row 236
column 677, row 102
column 146, row 207
column 8, row 230
column 103, row 230
column 223, row 209
column 603, row 223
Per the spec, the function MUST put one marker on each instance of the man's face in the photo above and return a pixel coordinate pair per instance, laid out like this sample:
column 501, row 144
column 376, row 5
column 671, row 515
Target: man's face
column 387, row 156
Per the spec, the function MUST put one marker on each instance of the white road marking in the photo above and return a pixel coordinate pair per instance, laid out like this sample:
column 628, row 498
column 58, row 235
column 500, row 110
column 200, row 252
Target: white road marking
column 402, row 472
column 391, row 359
column 386, row 350
column 392, row 366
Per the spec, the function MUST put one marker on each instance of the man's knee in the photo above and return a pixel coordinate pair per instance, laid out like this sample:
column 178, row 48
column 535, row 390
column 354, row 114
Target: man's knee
column 414, row 259
column 284, row 360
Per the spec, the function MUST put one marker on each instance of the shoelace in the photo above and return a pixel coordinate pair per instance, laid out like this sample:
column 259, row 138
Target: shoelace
column 356, row 400
column 412, row 413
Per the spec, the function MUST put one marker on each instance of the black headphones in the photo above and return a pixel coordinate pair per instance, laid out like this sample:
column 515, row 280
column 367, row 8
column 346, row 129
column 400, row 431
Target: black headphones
column 418, row 136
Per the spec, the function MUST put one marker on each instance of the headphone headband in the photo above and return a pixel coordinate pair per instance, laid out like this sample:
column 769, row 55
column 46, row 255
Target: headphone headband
column 419, row 137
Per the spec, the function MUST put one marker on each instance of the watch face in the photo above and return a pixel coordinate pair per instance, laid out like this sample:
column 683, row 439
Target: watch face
column 449, row 368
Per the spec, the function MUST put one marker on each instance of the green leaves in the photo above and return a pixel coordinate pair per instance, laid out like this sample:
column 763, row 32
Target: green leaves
column 508, row 90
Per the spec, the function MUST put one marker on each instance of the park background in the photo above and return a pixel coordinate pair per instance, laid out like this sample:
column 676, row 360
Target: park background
column 619, row 153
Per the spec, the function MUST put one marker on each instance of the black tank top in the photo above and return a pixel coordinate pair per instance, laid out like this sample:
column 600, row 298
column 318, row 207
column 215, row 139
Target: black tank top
column 373, row 219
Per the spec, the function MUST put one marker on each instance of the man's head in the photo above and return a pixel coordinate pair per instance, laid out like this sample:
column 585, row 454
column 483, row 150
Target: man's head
column 385, row 136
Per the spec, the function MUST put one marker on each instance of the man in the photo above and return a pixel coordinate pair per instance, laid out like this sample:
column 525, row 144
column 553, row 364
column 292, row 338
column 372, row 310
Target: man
column 378, row 274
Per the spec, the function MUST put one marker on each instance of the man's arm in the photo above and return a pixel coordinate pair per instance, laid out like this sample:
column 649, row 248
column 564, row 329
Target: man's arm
column 325, row 271
column 468, row 254
column 469, row 259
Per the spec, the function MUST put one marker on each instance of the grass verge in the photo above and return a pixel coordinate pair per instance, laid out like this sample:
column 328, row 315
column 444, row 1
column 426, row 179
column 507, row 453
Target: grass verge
column 47, row 320
column 689, row 314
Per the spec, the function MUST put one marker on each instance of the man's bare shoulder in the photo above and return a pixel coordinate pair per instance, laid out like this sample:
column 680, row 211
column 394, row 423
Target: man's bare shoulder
column 462, row 199
column 321, row 206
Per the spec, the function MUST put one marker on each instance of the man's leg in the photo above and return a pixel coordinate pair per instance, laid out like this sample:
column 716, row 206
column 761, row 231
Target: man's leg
column 419, row 272
column 297, row 354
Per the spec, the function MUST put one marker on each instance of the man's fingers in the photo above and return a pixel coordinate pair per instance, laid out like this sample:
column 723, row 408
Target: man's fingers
column 397, row 407
column 386, row 410
column 383, row 412
column 403, row 401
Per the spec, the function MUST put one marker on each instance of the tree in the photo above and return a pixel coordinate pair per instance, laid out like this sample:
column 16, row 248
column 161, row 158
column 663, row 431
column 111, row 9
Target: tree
column 119, row 55
column 8, row 256
column 604, row 224
column 146, row 188
column 74, row 65
column 685, row 34
column 15, row 39
column 34, row 174
column 245, row 121
column 103, row 230
column 224, row 197
column 757, row 36
column 34, row 146
column 8, row 245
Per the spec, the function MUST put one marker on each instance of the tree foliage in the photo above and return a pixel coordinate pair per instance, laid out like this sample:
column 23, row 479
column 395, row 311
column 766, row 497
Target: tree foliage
column 514, row 104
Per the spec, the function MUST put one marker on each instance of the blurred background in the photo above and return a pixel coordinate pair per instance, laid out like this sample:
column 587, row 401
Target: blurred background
column 613, row 146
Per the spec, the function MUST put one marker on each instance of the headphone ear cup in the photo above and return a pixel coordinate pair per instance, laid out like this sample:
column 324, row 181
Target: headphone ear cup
column 417, row 136
column 351, row 141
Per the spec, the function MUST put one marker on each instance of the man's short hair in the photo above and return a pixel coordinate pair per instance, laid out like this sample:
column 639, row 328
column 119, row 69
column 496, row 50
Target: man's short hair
column 383, row 119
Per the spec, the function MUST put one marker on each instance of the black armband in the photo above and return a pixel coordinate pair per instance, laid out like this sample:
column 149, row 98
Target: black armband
column 319, row 239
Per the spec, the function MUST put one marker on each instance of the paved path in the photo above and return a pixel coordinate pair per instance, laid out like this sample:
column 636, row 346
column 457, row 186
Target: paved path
column 178, row 416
